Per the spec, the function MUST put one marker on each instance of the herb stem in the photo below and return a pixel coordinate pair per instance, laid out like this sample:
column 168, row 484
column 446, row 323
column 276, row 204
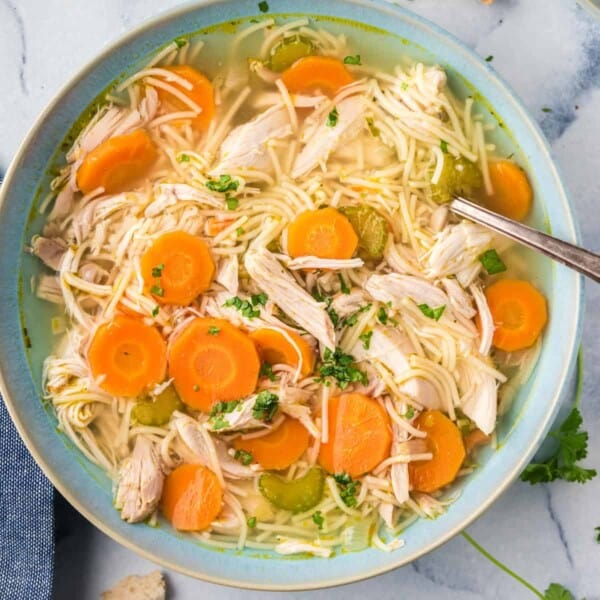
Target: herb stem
column 501, row 566
column 579, row 386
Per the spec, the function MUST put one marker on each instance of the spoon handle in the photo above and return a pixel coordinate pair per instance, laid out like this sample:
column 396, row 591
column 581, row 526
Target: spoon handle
column 572, row 256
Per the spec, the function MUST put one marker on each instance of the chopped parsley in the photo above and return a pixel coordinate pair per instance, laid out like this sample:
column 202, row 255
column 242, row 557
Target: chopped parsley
column 265, row 406
column 432, row 313
column 263, row 6
column 375, row 132
column 318, row 519
column 444, row 146
column 409, row 413
column 212, row 330
column 266, row 370
column 492, row 262
column 224, row 184
column 348, row 488
column 223, row 407
column 546, row 109
column 335, row 318
column 183, row 158
column 244, row 306
column 231, row 203
column 156, row 290
column 259, row 299
column 332, row 118
column 352, row 60
column 597, row 530
column 352, row 319
column 343, row 285
column 404, row 86
column 181, row 42
column 341, row 367
column 365, row 338
column 572, row 447
column 239, row 231
column 490, row 58
column 244, row 457
column 382, row 316
column 155, row 310
column 220, row 422
column 251, row 522
column 157, row 270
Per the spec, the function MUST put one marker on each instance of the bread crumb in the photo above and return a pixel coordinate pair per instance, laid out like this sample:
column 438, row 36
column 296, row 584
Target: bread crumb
column 138, row 587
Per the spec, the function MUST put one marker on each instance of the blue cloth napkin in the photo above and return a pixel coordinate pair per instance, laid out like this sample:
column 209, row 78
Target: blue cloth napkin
column 26, row 520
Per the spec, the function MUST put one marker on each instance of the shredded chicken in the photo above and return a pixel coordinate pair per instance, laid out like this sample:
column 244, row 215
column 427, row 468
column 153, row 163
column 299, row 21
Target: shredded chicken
column 50, row 250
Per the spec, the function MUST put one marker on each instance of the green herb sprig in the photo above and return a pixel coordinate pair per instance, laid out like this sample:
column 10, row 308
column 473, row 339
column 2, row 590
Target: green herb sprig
column 265, row 406
column 341, row 367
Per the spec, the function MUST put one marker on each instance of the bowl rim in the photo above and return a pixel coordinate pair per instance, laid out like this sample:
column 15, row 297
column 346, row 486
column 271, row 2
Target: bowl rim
column 535, row 441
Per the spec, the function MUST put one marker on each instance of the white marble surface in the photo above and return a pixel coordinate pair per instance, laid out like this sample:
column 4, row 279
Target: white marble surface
column 549, row 51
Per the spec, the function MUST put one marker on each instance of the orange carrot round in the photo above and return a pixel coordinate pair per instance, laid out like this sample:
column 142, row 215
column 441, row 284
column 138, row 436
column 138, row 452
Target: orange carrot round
column 192, row 498
column 279, row 449
column 512, row 195
column 117, row 163
column 445, row 443
column 214, row 226
column 211, row 360
column 312, row 73
column 325, row 233
column 202, row 94
column 127, row 356
column 274, row 348
column 519, row 313
column 177, row 268
column 360, row 435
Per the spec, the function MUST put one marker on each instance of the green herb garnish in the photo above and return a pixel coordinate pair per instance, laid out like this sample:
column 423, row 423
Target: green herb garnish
column 444, row 146
column 155, row 310
column 251, row 522
column 490, row 58
column 259, row 299
column 244, row 457
column 365, row 338
column 432, row 313
column 348, row 488
column 335, row 318
column 224, row 184
column 183, row 158
column 181, row 42
column 572, row 447
column 597, row 530
column 231, row 203
column 263, row 6
column 492, row 262
column 343, row 285
column 409, row 413
column 332, row 118
column 212, row 330
column 341, row 367
column 265, row 406
column 404, row 86
column 318, row 519
column 382, row 316
column 375, row 131
column 546, row 109
column 156, row 290
column 239, row 231
column 220, row 422
column 223, row 407
column 352, row 60
column 244, row 306
column 352, row 319
column 266, row 370
column 157, row 270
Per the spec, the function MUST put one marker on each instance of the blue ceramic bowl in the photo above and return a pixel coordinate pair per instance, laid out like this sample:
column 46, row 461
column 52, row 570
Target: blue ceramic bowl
column 380, row 30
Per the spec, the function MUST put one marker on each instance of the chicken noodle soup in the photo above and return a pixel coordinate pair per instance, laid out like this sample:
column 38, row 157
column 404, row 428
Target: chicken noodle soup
column 278, row 336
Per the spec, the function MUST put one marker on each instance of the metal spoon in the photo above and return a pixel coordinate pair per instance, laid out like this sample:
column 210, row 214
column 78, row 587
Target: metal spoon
column 572, row 256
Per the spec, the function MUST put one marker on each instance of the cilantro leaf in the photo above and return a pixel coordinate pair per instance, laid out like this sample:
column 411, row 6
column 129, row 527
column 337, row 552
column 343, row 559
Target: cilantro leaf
column 572, row 447
column 266, row 370
column 318, row 519
column 223, row 407
column 244, row 457
column 492, row 262
column 332, row 118
column 265, row 406
column 556, row 591
column 365, row 338
column 432, row 313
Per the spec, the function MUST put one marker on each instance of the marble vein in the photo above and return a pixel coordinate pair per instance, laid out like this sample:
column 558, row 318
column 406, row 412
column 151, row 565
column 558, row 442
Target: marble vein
column 23, row 50
column 557, row 523
column 424, row 570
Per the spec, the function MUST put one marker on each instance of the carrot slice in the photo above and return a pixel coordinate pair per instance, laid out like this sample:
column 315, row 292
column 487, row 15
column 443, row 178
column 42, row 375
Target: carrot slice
column 325, row 233
column 445, row 443
column 215, row 226
column 519, row 313
column 192, row 497
column 279, row 449
column 117, row 163
column 177, row 268
column 512, row 195
column 312, row 73
column 127, row 356
column 274, row 348
column 202, row 94
column 211, row 360
column 360, row 435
